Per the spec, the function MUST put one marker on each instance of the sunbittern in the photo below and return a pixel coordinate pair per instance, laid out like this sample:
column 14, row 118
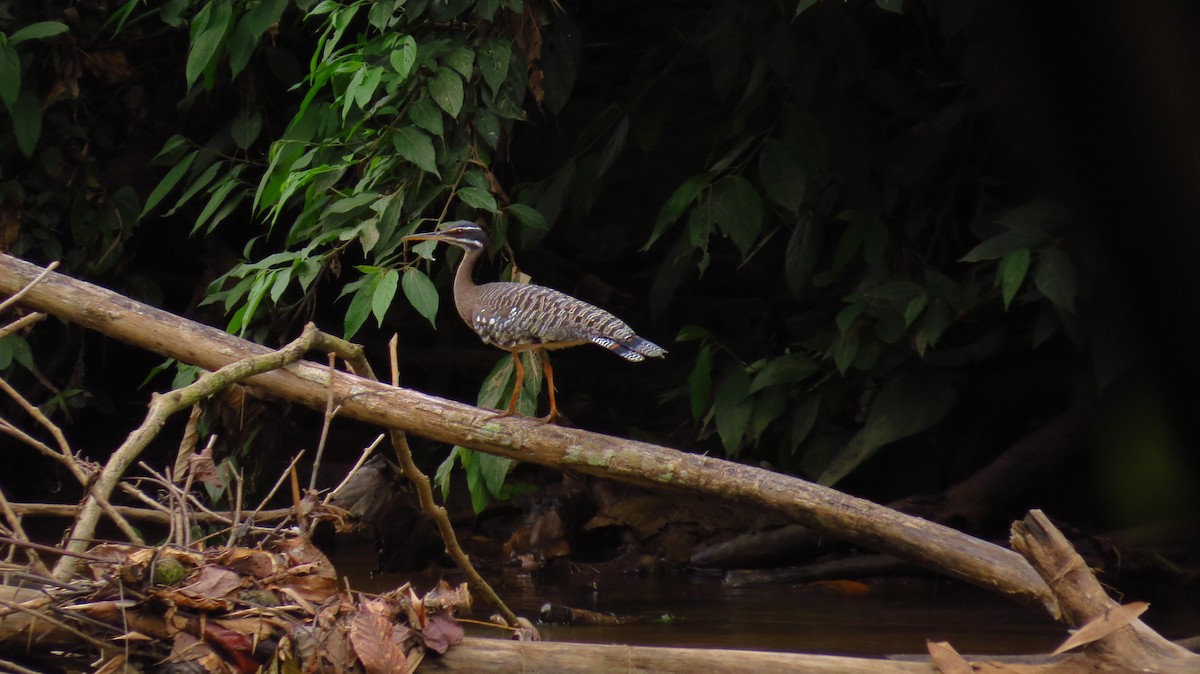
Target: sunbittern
column 520, row 317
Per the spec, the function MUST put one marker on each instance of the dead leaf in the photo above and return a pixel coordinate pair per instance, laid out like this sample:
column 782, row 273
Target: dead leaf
column 441, row 632
column 373, row 637
column 850, row 588
column 946, row 659
column 204, row 469
column 234, row 647
column 214, row 581
column 444, row 597
column 114, row 664
column 257, row 563
column 1111, row 621
column 187, row 446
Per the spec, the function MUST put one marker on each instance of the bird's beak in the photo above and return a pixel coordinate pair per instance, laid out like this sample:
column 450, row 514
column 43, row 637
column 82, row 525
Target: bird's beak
column 432, row 236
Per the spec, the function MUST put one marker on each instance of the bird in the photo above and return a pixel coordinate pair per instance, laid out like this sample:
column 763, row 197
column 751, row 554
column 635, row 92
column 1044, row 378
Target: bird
column 518, row 317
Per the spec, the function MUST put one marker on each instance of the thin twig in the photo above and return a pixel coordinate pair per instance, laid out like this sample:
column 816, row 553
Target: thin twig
column 237, row 509
column 22, row 322
column 14, row 521
column 64, row 456
column 330, row 412
column 16, row 297
column 50, row 549
column 59, row 624
column 278, row 483
column 425, row 495
column 160, row 514
column 353, row 471
column 161, row 408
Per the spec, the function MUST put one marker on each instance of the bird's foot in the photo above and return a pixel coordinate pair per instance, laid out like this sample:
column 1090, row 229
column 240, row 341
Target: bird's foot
column 502, row 415
column 551, row 418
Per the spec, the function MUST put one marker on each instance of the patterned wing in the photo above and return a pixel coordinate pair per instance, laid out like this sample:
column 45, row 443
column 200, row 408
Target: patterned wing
column 510, row 315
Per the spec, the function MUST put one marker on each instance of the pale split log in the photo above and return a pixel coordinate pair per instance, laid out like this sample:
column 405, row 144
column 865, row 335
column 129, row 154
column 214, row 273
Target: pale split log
column 1082, row 599
column 523, row 657
column 845, row 517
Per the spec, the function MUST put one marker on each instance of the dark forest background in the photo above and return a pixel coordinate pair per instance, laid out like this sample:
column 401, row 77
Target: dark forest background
column 884, row 242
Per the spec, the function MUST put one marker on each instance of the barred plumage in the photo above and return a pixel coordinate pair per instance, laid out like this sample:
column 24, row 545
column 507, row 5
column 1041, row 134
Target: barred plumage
column 519, row 317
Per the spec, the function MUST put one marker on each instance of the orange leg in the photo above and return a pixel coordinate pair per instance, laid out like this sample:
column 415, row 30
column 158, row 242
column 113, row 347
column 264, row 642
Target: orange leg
column 549, row 418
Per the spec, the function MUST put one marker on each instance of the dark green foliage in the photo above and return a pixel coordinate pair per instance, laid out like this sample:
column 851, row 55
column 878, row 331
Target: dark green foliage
column 809, row 193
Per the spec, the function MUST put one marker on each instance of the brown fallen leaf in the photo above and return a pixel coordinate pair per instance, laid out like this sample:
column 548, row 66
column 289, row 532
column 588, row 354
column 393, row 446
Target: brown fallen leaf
column 214, row 582
column 441, row 631
column 946, row 659
column 372, row 636
column 1097, row 629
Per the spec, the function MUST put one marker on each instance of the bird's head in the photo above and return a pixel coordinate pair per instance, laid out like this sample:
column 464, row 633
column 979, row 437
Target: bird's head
column 462, row 233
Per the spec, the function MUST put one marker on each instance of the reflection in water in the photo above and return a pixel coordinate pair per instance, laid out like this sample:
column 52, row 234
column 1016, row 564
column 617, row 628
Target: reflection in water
column 897, row 616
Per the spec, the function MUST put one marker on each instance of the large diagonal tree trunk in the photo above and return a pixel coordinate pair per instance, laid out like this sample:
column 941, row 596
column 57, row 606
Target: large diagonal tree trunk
column 841, row 516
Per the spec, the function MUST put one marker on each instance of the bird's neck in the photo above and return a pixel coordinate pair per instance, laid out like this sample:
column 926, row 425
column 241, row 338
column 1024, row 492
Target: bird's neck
column 464, row 285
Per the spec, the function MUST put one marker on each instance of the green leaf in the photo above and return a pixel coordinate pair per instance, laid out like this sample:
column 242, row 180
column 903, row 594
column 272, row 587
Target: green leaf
column 168, row 182
column 1055, row 277
column 700, row 383
column 736, row 208
column 446, row 87
column 27, row 122
column 403, row 56
column 199, row 184
column 782, row 175
column 360, row 308
column 787, row 369
column 680, row 199
column 10, row 74
column 385, row 290
column 494, row 56
column 894, row 6
column 497, row 386
column 414, row 146
column 246, row 127
column 217, row 198
column 262, row 16
column 441, row 478
column 1010, row 274
column 915, row 306
column 803, row 5
column 527, row 216
column 477, row 198
column 281, row 283
column 935, row 322
column 20, row 350
column 804, row 419
column 494, row 470
column 908, row 403
column 732, row 410
column 426, row 115
column 847, row 316
column 803, row 249
column 462, row 60
column 845, row 349
column 37, row 31
column 208, row 32
column 487, row 126
column 1004, row 243
column 421, row 292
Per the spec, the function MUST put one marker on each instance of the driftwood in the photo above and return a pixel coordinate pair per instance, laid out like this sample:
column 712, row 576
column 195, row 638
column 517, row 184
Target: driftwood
column 1129, row 646
column 851, row 519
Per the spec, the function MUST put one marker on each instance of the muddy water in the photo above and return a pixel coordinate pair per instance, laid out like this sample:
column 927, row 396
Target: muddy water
column 894, row 616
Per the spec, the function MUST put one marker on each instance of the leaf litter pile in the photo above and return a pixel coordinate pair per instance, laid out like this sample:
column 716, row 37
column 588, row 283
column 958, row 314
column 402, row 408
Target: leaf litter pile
column 275, row 607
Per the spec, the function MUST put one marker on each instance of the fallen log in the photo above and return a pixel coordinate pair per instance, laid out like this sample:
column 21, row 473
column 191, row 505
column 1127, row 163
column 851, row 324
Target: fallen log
column 848, row 518
column 526, row 657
